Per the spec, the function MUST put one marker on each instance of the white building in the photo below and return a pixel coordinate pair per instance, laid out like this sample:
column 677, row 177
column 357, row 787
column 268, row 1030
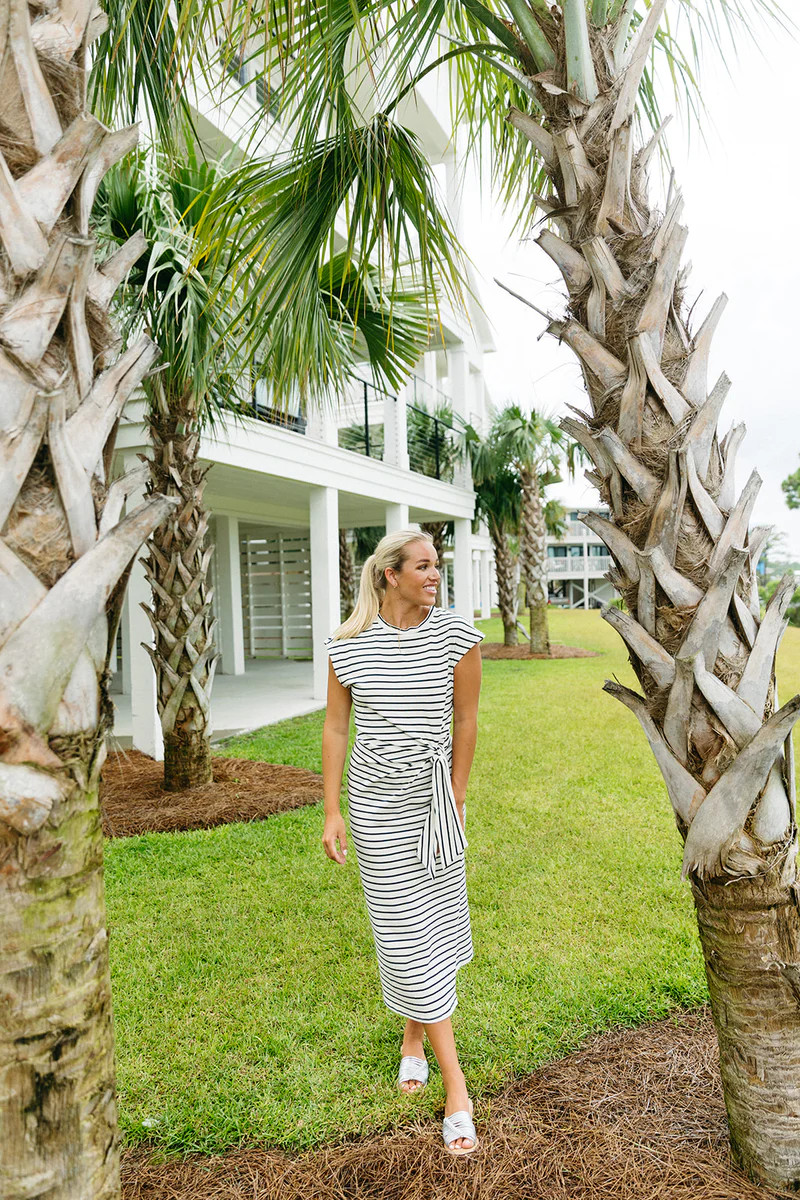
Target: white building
column 281, row 489
column 577, row 563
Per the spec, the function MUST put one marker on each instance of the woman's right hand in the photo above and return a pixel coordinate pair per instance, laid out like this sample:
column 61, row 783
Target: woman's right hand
column 334, row 839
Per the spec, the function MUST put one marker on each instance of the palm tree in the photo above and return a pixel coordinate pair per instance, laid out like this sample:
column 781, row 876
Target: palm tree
column 189, row 303
column 65, row 553
column 533, row 446
column 347, row 575
column 498, row 500
column 559, row 95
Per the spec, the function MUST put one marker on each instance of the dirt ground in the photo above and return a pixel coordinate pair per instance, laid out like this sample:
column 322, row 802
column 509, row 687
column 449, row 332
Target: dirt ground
column 495, row 650
column 133, row 799
column 633, row 1115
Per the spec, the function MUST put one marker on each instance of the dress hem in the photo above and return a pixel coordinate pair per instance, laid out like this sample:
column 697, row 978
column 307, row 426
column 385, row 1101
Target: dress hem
column 430, row 1020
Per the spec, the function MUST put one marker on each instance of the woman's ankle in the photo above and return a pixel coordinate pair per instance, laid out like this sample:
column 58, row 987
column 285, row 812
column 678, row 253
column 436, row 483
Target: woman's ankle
column 455, row 1081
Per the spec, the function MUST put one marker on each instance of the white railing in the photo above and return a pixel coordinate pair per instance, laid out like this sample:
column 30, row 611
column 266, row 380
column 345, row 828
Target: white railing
column 595, row 564
column 566, row 566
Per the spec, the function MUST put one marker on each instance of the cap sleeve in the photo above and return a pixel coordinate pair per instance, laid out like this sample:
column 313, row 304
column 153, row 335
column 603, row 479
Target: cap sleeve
column 337, row 652
column 463, row 636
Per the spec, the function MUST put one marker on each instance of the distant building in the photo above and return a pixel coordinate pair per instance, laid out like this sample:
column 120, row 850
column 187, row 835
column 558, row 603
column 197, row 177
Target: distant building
column 577, row 563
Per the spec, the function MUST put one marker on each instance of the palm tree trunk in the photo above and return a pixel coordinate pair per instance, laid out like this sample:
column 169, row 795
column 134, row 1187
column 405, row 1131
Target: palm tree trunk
column 437, row 530
column 758, row 1031
column 347, row 576
column 506, row 584
column 685, row 563
column 184, row 654
column 533, row 551
column 64, row 555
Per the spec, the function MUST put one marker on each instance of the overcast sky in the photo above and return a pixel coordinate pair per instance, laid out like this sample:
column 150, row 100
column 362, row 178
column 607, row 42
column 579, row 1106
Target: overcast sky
column 741, row 186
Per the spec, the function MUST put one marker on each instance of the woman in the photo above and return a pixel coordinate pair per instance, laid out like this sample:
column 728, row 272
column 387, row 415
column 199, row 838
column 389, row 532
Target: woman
column 408, row 667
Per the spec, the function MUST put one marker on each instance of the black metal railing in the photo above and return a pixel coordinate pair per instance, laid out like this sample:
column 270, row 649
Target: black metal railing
column 434, row 446
column 261, row 408
column 296, row 422
column 365, row 437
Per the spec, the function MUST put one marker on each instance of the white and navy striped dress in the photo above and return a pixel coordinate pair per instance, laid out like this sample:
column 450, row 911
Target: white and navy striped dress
column 403, row 816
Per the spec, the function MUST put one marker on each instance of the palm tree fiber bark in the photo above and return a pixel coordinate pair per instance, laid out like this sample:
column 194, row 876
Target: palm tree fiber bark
column 506, row 585
column 437, row 530
column 184, row 654
column 347, row 576
column 65, row 551
column 685, row 561
column 535, row 558
column 750, row 933
column 57, row 1086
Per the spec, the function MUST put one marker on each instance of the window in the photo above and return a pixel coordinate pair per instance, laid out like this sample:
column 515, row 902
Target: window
column 598, row 552
column 557, row 551
column 234, row 65
column 268, row 96
column 575, row 551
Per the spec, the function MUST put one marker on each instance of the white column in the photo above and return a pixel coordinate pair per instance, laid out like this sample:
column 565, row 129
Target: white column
column 325, row 613
column 229, row 596
column 395, row 429
column 476, row 581
column 125, row 637
column 145, row 724
column 396, row 517
column 321, row 426
column 444, row 589
column 458, row 375
column 486, row 584
column 462, row 567
column 430, row 376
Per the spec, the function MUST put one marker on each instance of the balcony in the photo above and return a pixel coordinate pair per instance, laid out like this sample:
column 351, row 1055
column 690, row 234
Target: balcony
column 412, row 430
column 433, row 446
column 593, row 564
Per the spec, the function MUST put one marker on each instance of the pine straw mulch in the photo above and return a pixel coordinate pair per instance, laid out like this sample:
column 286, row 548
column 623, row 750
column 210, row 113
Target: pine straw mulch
column 633, row 1115
column 496, row 650
column 133, row 799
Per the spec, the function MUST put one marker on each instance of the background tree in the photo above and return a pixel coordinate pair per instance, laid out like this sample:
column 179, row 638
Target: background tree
column 535, row 448
column 572, row 81
column 791, row 489
column 499, row 502
column 773, row 565
column 347, row 575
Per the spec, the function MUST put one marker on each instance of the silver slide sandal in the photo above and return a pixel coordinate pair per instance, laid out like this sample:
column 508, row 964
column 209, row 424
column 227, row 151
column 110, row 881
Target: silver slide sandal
column 459, row 1125
column 412, row 1068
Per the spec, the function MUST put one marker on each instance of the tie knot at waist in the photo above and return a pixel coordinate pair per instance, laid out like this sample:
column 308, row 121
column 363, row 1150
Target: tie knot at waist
column 442, row 839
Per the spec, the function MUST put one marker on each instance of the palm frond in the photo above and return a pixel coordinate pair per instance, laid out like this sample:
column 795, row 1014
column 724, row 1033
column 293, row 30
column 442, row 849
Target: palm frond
column 285, row 224
column 148, row 62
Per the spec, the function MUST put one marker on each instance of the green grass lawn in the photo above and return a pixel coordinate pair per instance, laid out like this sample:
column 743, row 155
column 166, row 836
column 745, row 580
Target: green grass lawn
column 246, row 995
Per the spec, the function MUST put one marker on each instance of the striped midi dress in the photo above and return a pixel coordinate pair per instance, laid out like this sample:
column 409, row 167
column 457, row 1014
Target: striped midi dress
column 403, row 816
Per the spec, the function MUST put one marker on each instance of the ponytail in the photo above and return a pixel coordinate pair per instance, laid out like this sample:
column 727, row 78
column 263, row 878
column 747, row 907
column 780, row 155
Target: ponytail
column 390, row 552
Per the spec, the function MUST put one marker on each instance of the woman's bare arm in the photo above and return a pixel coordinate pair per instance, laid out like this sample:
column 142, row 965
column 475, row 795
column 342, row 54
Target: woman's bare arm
column 466, row 689
column 335, row 733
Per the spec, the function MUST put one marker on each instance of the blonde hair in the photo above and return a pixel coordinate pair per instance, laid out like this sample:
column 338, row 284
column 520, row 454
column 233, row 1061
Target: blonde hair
column 389, row 552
